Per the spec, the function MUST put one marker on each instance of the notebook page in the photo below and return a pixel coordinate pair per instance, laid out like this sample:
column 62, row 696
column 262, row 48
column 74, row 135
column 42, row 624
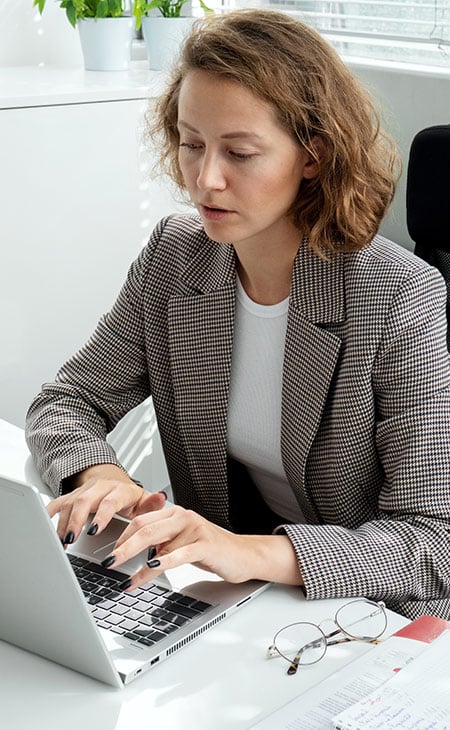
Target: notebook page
column 417, row 698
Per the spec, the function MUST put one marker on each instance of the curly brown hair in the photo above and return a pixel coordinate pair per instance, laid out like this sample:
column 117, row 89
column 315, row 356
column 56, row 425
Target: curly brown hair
column 287, row 63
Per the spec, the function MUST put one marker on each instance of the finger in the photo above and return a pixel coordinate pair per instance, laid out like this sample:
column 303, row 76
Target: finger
column 55, row 505
column 119, row 499
column 153, row 528
column 74, row 510
column 171, row 559
column 73, row 520
column 65, row 509
column 143, row 523
column 150, row 502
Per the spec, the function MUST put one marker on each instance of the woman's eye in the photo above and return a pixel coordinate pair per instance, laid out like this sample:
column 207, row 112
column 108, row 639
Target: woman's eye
column 241, row 155
column 190, row 145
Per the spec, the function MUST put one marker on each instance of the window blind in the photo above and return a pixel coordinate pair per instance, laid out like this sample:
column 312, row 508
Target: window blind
column 415, row 31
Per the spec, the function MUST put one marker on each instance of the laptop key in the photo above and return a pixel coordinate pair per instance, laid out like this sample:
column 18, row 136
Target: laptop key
column 174, row 619
column 99, row 614
column 201, row 606
column 92, row 599
column 129, row 625
column 158, row 612
column 185, row 600
column 166, row 627
column 185, row 611
column 144, row 640
column 88, row 587
column 141, row 638
column 134, row 615
column 105, row 603
column 141, row 606
column 103, row 592
column 158, row 590
column 149, row 620
column 156, row 636
column 119, row 609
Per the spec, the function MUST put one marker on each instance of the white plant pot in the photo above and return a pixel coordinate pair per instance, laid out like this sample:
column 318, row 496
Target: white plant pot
column 106, row 43
column 163, row 38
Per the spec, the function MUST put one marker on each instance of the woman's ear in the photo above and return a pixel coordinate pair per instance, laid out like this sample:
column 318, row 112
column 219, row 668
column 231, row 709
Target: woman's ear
column 312, row 166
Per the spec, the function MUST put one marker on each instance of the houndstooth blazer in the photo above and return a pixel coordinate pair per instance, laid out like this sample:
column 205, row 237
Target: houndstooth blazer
column 365, row 405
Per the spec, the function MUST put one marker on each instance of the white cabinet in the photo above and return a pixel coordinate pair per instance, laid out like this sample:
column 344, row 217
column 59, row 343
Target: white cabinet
column 77, row 202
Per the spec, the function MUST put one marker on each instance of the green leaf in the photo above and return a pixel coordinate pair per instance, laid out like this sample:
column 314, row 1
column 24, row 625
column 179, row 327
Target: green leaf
column 205, row 8
column 40, row 4
column 102, row 9
column 70, row 12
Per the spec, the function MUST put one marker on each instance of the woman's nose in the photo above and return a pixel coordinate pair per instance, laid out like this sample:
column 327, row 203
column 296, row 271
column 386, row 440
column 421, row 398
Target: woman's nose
column 211, row 174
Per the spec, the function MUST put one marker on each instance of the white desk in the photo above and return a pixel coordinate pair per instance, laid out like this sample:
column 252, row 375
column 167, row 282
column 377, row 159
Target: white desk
column 220, row 681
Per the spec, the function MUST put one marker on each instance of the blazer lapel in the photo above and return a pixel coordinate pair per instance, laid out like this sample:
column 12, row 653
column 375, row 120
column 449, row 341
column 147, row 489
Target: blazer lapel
column 311, row 355
column 200, row 341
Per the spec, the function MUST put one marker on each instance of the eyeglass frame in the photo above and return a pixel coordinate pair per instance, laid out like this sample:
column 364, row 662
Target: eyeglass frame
column 273, row 651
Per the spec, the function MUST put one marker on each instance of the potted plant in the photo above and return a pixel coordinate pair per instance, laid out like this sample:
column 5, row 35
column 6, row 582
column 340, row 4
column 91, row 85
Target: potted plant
column 106, row 31
column 163, row 32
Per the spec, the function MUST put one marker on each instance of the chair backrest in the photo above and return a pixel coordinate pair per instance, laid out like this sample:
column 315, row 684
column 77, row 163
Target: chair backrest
column 428, row 200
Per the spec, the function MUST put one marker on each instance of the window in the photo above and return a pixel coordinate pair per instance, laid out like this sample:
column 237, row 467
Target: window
column 414, row 31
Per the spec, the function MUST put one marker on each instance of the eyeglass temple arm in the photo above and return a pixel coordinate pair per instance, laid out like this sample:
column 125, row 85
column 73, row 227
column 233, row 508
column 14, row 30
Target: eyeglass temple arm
column 296, row 660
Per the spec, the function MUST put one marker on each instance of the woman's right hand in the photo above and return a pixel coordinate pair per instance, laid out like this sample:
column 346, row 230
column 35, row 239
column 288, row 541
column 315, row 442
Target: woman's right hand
column 102, row 490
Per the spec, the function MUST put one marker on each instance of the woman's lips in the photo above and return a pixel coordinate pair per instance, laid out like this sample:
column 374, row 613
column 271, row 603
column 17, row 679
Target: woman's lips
column 213, row 214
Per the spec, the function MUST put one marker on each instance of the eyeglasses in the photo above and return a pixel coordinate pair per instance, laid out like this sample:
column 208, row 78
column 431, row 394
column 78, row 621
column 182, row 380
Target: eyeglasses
column 307, row 643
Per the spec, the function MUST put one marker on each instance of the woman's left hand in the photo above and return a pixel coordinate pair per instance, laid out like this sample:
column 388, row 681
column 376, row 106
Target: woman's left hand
column 182, row 536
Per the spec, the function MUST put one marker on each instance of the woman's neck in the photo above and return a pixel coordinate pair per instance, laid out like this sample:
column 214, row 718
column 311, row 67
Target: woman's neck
column 266, row 274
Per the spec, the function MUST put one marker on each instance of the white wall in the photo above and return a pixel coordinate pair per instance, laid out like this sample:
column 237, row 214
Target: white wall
column 409, row 100
column 29, row 39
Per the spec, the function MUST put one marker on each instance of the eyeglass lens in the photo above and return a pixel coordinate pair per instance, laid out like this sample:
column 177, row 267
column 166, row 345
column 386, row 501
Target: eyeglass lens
column 307, row 638
column 361, row 620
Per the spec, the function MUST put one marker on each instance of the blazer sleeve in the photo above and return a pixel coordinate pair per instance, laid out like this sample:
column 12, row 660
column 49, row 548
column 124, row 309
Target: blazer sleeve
column 402, row 556
column 69, row 419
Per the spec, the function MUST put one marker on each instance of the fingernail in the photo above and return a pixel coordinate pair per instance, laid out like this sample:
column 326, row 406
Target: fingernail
column 93, row 529
column 69, row 538
column 125, row 584
column 163, row 492
column 151, row 554
column 107, row 562
column 153, row 563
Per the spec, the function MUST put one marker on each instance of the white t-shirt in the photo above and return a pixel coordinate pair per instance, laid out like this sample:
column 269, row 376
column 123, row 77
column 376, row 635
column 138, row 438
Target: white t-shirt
column 254, row 408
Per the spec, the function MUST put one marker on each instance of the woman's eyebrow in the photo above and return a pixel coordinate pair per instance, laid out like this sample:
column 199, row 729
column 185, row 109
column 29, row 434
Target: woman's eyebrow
column 238, row 134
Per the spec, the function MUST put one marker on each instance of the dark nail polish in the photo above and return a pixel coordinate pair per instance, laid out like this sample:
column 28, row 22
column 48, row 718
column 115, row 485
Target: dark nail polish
column 93, row 529
column 163, row 492
column 151, row 553
column 69, row 538
column 125, row 584
column 107, row 562
column 153, row 563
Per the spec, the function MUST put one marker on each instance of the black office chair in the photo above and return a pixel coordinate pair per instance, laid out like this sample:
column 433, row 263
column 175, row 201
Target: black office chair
column 428, row 200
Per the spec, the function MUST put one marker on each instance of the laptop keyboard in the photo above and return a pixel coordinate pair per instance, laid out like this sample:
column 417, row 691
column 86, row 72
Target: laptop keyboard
column 146, row 615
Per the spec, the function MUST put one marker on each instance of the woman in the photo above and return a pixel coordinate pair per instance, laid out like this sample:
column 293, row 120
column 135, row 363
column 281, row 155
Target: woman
column 297, row 361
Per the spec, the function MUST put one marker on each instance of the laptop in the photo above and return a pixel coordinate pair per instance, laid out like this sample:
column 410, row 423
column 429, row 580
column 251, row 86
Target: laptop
column 84, row 622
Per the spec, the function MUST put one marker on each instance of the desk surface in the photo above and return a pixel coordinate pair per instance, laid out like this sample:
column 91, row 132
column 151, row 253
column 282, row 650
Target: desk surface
column 222, row 680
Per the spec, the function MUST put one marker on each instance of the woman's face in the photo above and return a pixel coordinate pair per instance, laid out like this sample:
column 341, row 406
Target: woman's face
column 242, row 169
